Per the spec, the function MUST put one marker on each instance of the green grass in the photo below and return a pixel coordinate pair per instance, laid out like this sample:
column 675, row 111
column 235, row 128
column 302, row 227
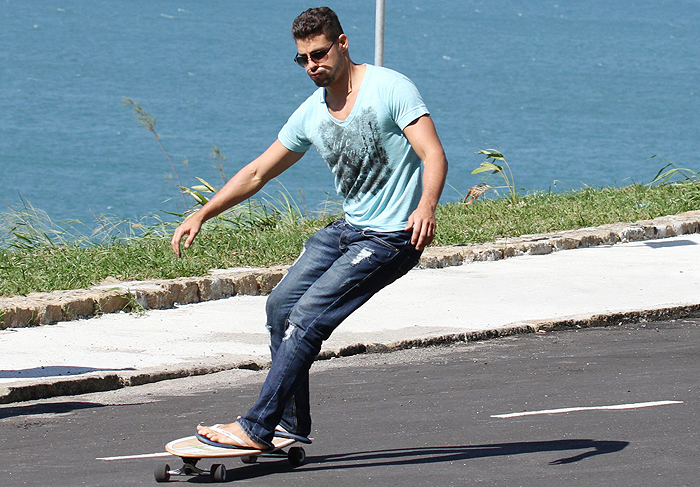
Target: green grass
column 489, row 219
column 38, row 255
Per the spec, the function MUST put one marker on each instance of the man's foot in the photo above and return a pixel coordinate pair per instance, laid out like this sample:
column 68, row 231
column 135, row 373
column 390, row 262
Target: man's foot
column 230, row 435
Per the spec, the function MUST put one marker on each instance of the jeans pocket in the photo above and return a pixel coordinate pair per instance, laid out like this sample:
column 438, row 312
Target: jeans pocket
column 395, row 241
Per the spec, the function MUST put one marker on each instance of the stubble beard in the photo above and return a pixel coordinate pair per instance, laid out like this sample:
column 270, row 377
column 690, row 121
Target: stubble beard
column 329, row 78
column 325, row 81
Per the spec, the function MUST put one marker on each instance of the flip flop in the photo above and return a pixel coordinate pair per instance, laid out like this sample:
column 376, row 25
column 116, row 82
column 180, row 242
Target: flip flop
column 217, row 428
column 280, row 432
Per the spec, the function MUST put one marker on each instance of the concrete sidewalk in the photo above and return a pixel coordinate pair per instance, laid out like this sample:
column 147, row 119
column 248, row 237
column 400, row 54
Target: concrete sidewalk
column 608, row 284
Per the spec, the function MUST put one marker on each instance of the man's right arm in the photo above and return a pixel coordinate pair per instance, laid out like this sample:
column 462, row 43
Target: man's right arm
column 248, row 181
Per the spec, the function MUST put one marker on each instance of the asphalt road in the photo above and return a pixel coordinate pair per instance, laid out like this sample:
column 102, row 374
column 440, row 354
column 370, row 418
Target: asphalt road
column 417, row 417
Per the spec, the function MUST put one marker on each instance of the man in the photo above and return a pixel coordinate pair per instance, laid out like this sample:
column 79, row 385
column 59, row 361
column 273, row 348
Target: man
column 375, row 133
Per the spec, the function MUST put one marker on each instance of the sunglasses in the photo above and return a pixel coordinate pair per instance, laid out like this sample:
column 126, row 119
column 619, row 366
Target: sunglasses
column 303, row 59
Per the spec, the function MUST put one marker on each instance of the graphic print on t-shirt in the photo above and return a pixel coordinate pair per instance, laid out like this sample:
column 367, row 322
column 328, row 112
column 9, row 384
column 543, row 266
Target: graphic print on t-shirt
column 354, row 155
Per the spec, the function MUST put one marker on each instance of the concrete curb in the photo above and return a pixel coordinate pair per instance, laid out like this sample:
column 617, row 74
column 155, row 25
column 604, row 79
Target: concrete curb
column 46, row 308
column 112, row 297
column 69, row 386
column 546, row 243
column 112, row 381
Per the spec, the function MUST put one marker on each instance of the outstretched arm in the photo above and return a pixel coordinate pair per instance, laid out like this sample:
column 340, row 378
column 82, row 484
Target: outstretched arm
column 424, row 139
column 248, row 181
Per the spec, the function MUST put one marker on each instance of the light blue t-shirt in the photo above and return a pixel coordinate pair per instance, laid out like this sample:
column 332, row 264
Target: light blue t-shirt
column 376, row 170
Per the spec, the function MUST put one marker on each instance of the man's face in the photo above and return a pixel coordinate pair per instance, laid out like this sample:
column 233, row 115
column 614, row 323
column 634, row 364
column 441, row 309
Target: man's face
column 323, row 58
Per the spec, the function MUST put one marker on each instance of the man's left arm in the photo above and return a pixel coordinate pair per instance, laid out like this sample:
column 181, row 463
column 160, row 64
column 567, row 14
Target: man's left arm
column 423, row 137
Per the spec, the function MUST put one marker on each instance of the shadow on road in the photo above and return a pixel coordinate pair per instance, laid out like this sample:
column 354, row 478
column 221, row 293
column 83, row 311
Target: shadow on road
column 52, row 371
column 666, row 244
column 47, row 408
column 54, row 408
column 436, row 454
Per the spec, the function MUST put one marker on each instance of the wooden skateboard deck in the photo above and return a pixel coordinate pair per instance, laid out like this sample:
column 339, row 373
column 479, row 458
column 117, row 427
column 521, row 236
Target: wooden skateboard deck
column 191, row 450
column 191, row 447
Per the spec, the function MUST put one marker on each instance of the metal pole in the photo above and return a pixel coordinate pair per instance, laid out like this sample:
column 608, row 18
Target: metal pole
column 379, row 35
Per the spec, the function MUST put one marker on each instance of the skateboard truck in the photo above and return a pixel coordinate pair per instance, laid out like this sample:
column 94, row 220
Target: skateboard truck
column 189, row 468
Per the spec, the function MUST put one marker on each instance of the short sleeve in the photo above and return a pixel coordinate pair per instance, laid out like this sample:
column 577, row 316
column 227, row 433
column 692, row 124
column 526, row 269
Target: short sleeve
column 405, row 103
column 293, row 133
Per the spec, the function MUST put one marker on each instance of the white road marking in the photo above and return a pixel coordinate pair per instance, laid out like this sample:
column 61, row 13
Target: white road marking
column 589, row 408
column 135, row 457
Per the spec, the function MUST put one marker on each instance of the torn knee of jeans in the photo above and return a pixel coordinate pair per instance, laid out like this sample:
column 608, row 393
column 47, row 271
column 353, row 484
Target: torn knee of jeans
column 362, row 255
column 288, row 332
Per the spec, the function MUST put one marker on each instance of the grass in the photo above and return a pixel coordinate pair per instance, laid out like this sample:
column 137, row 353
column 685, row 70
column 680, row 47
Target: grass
column 37, row 255
column 489, row 219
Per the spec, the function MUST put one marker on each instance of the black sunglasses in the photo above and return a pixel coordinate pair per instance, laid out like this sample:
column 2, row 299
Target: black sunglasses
column 303, row 59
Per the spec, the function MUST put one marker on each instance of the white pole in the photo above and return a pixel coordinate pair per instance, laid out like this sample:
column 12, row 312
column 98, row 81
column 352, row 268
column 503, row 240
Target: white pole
column 379, row 35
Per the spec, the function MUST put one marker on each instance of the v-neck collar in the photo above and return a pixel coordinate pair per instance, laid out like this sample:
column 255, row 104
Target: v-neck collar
column 351, row 115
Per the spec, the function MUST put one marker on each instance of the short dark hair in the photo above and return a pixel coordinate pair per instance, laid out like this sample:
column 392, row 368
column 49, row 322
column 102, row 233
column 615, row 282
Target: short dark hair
column 317, row 21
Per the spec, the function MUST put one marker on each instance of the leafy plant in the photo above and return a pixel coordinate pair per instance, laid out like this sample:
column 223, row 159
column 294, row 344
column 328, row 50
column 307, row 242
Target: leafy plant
column 670, row 171
column 686, row 178
column 197, row 190
column 489, row 164
column 271, row 211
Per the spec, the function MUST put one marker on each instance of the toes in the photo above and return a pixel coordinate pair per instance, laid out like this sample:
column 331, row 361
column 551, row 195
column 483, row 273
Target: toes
column 229, row 434
column 209, row 433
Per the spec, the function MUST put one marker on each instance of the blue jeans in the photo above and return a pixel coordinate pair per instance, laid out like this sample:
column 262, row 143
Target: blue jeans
column 340, row 268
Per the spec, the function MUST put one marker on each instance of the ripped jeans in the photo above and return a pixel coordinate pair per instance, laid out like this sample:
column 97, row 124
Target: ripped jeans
column 340, row 268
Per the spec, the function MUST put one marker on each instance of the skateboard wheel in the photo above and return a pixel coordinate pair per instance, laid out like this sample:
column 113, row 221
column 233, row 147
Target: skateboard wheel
column 162, row 472
column 296, row 456
column 249, row 460
column 218, row 473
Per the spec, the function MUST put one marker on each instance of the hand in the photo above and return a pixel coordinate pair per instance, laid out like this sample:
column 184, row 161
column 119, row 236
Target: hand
column 423, row 223
column 189, row 227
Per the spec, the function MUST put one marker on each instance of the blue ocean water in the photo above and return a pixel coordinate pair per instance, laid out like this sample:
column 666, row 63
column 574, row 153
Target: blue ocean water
column 571, row 92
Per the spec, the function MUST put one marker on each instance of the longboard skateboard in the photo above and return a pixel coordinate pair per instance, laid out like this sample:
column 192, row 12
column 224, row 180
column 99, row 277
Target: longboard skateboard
column 191, row 450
